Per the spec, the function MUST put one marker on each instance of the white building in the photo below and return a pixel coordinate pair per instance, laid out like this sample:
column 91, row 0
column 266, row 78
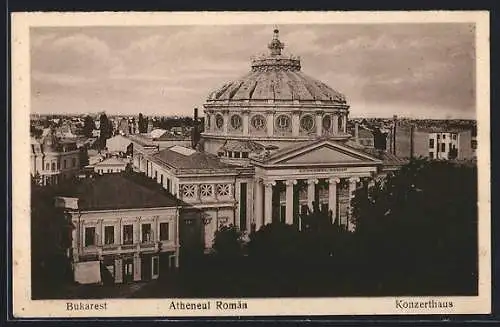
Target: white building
column 53, row 159
column 448, row 145
column 110, row 165
column 124, row 231
column 274, row 142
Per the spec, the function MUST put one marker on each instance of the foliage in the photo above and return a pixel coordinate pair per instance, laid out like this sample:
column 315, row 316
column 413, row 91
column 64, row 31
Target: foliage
column 50, row 239
column 88, row 126
column 228, row 241
column 106, row 130
column 83, row 156
column 143, row 124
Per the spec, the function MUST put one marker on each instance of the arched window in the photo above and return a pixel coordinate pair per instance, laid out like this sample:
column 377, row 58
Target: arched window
column 219, row 121
column 258, row 122
column 236, row 122
column 341, row 123
column 327, row 123
column 307, row 123
column 283, row 122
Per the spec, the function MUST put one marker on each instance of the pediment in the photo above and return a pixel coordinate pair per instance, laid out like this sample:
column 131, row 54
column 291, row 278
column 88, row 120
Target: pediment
column 323, row 153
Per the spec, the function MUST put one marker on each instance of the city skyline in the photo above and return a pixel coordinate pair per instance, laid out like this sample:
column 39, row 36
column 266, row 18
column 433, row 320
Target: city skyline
column 412, row 70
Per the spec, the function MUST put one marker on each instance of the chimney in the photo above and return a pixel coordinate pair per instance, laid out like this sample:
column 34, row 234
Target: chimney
column 394, row 126
column 195, row 133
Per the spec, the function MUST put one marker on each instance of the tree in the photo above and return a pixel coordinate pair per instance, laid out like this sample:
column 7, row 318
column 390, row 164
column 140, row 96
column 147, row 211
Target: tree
column 228, row 241
column 143, row 124
column 50, row 239
column 415, row 227
column 84, row 156
column 88, row 126
column 106, row 129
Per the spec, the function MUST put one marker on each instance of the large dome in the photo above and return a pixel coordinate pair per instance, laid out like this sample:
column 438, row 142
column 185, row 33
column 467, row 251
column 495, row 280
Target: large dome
column 279, row 78
column 273, row 106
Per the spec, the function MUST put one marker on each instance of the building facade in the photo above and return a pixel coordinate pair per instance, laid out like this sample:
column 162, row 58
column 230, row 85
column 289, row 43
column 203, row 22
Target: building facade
column 274, row 142
column 118, row 236
column 53, row 159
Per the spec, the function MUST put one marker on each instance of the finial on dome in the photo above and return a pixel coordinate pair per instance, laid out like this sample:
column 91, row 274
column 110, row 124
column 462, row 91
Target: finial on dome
column 276, row 45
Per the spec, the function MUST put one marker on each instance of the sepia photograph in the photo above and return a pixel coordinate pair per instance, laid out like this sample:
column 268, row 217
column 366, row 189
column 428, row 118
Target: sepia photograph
column 213, row 165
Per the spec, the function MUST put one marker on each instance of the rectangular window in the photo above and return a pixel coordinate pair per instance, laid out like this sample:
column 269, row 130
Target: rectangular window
column 454, row 136
column 128, row 234
column 444, row 136
column 431, row 143
column 443, row 147
column 53, row 166
column 89, row 236
column 304, row 208
column 164, row 232
column 161, row 179
column 109, row 235
column 64, row 163
column 244, row 155
column 431, row 155
column 58, row 165
column 236, row 154
column 168, row 185
column 146, row 233
column 438, row 136
column 47, row 166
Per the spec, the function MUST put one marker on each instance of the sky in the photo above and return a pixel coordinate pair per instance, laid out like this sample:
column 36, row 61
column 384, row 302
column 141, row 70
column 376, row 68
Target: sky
column 412, row 70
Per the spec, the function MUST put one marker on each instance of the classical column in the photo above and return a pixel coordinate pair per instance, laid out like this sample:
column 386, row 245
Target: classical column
column 245, row 121
column 344, row 123
column 296, row 122
column 352, row 187
column 225, row 114
column 270, row 122
column 311, row 190
column 332, row 196
column 268, row 201
column 335, row 123
column 258, row 205
column 319, row 125
column 289, row 201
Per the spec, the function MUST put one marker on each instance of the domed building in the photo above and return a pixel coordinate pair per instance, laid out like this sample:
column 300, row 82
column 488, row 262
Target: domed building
column 275, row 142
column 275, row 105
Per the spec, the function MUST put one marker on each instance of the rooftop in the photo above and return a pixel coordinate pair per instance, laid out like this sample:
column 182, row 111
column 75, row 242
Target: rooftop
column 185, row 158
column 118, row 191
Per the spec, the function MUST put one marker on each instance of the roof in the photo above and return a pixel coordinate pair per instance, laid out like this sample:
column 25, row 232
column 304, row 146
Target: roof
column 156, row 133
column 113, row 161
column 195, row 160
column 277, row 77
column 242, row 146
column 364, row 133
column 388, row 159
column 118, row 191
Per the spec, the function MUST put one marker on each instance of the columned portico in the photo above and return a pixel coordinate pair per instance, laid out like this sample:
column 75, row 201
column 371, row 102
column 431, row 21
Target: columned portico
column 352, row 188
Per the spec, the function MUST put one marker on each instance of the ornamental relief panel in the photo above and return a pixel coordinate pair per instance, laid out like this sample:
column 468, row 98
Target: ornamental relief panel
column 258, row 124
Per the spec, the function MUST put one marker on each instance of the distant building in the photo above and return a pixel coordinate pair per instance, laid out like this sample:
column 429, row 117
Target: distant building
column 450, row 145
column 110, row 165
column 118, row 143
column 124, row 230
column 53, row 159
